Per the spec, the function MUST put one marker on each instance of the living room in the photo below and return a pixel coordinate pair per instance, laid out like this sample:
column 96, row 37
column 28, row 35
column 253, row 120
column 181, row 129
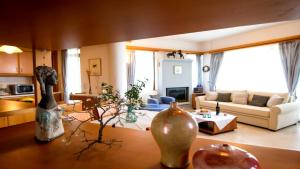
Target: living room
column 243, row 47
column 217, row 70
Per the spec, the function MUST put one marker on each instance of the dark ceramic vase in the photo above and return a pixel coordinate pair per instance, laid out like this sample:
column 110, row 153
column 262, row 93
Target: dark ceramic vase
column 174, row 131
column 224, row 156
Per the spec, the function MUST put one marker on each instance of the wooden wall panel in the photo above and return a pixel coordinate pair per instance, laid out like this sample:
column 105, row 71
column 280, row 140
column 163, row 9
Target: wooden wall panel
column 56, row 24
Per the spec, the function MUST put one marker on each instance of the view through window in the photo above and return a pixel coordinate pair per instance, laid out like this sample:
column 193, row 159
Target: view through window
column 255, row 68
column 73, row 76
column 144, row 69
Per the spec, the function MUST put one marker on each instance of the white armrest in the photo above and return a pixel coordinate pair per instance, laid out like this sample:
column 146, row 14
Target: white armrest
column 286, row 107
column 201, row 98
column 198, row 99
column 284, row 115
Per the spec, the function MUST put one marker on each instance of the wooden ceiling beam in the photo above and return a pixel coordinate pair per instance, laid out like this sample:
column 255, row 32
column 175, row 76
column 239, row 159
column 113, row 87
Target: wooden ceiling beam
column 161, row 49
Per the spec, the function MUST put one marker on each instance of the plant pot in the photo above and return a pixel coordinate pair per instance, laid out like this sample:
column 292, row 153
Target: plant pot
column 131, row 117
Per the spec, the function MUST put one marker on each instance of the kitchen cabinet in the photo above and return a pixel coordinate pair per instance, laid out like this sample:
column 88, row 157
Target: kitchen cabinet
column 16, row 64
column 9, row 63
column 3, row 122
column 20, row 119
column 26, row 63
column 15, row 112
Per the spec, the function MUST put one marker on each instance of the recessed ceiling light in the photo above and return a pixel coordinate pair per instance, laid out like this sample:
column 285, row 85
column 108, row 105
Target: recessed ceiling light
column 10, row 49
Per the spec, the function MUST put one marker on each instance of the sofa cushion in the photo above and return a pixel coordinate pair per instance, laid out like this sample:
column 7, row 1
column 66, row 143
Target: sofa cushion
column 224, row 97
column 260, row 101
column 211, row 96
column 275, row 100
column 232, row 92
column 240, row 98
column 252, row 93
column 237, row 108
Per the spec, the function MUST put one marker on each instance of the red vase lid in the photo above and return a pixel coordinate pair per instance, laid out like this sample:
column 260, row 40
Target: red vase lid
column 224, row 156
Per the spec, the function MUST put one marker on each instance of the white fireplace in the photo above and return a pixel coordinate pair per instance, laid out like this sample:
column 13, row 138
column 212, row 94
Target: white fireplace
column 175, row 75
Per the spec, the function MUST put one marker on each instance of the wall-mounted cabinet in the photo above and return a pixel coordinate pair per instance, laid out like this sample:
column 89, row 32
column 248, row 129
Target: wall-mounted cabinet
column 9, row 63
column 16, row 64
column 26, row 63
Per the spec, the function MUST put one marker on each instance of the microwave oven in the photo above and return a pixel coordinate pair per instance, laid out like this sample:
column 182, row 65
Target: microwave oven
column 17, row 89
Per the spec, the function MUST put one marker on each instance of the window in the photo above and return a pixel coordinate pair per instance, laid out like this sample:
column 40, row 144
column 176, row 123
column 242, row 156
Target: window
column 144, row 69
column 73, row 76
column 256, row 68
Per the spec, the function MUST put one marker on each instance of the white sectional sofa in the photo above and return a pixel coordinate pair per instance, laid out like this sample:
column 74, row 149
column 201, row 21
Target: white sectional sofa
column 273, row 118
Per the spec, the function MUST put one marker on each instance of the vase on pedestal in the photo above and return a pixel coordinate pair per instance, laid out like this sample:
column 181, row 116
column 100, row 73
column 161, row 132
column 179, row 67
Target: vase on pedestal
column 131, row 117
column 174, row 130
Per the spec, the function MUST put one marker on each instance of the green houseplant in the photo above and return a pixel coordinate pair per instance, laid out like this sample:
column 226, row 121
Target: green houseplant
column 133, row 100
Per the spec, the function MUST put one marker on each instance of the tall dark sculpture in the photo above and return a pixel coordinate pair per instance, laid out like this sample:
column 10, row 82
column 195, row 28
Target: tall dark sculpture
column 48, row 114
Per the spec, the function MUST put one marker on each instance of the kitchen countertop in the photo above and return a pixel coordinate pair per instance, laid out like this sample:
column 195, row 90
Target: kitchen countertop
column 8, row 107
column 15, row 96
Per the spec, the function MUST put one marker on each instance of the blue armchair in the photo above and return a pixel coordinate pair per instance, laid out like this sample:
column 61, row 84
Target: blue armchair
column 158, row 104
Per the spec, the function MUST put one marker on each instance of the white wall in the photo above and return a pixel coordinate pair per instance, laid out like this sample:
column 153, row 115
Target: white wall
column 113, row 62
column 283, row 30
column 118, row 65
column 92, row 52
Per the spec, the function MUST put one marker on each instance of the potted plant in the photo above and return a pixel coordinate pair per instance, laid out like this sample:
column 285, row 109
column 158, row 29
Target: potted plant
column 133, row 100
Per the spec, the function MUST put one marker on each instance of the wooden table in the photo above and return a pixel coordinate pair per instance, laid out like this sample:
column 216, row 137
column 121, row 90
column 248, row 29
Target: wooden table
column 18, row 150
column 210, row 127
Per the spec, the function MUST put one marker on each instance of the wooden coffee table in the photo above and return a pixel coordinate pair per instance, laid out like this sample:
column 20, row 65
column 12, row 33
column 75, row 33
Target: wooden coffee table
column 209, row 124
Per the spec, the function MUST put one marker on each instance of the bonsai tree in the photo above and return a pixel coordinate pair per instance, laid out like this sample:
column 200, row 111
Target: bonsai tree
column 110, row 105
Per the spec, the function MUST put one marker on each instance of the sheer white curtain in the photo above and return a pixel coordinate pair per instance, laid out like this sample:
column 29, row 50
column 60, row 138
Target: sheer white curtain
column 194, row 69
column 144, row 69
column 73, row 76
column 256, row 68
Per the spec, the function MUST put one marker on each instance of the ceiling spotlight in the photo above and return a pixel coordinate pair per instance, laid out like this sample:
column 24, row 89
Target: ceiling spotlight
column 10, row 49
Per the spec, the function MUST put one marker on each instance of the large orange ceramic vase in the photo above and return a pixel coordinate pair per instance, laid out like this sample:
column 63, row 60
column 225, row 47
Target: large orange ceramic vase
column 174, row 130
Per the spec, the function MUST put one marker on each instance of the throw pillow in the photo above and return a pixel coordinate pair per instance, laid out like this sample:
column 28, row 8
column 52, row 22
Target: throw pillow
column 224, row 97
column 258, row 100
column 240, row 98
column 275, row 100
column 211, row 96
